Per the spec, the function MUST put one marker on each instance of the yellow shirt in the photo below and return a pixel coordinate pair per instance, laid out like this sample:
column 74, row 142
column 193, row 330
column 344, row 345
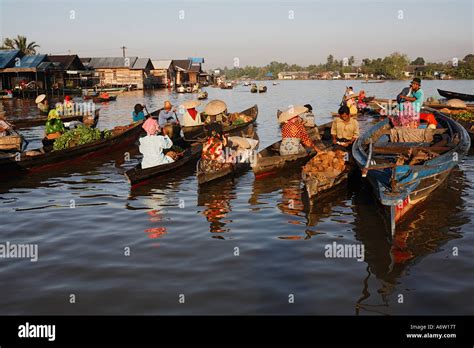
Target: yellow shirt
column 346, row 130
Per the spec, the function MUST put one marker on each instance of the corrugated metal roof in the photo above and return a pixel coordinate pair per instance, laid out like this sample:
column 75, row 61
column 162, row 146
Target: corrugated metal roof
column 28, row 62
column 161, row 64
column 6, row 57
column 183, row 64
column 112, row 62
column 196, row 60
column 141, row 63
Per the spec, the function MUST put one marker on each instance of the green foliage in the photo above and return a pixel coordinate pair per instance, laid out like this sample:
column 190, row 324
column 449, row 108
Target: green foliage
column 20, row 43
column 464, row 116
column 392, row 67
column 79, row 136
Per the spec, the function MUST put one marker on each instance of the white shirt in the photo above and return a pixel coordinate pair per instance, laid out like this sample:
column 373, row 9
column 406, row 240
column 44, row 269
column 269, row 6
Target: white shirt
column 188, row 120
column 152, row 146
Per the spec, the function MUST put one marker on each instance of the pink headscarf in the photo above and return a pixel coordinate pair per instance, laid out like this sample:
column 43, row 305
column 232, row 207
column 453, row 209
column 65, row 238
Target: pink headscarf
column 151, row 126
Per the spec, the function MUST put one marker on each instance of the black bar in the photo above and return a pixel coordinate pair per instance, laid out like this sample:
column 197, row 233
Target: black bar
column 139, row 330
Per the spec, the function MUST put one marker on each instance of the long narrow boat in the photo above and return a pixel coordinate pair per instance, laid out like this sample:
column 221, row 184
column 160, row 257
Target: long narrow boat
column 196, row 132
column 11, row 164
column 376, row 81
column 269, row 161
column 138, row 175
column 456, row 95
column 399, row 186
column 207, row 177
column 99, row 99
column 41, row 121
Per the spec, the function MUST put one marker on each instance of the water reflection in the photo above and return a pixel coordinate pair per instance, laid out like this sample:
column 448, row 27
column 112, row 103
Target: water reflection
column 216, row 200
column 436, row 222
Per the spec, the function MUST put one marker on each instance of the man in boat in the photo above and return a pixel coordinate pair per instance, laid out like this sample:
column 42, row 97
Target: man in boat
column 53, row 130
column 213, row 157
column 410, row 106
column 191, row 117
column 216, row 111
column 42, row 103
column 344, row 129
column 167, row 115
column 293, row 132
column 152, row 145
column 137, row 113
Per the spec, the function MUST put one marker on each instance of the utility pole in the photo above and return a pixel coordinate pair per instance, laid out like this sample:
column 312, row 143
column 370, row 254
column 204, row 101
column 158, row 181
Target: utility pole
column 123, row 50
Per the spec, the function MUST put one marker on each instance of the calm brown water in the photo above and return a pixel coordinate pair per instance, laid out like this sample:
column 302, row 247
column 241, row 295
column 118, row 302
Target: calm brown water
column 182, row 238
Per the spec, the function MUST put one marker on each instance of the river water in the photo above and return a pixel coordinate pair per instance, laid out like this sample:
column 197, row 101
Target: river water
column 184, row 241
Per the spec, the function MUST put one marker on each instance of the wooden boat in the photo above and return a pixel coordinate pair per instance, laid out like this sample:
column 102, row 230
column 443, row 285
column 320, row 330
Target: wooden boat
column 259, row 89
column 10, row 165
column 41, row 121
column 202, row 95
column 181, row 89
column 206, row 177
column 227, row 85
column 400, row 187
column 269, row 161
column 439, row 106
column 456, row 95
column 6, row 96
column 196, row 132
column 98, row 99
column 315, row 186
column 139, row 175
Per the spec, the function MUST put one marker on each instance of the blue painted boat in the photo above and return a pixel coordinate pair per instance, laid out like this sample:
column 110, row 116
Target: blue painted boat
column 401, row 186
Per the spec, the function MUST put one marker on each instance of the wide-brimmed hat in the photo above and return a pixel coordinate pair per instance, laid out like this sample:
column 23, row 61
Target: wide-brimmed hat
column 291, row 112
column 215, row 107
column 416, row 80
column 40, row 98
column 191, row 104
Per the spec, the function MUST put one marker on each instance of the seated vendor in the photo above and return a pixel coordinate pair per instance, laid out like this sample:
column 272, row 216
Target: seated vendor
column 344, row 129
column 293, row 132
column 191, row 117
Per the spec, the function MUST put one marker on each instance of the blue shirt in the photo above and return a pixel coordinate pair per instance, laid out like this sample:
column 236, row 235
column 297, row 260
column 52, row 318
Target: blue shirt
column 138, row 117
column 166, row 117
column 418, row 103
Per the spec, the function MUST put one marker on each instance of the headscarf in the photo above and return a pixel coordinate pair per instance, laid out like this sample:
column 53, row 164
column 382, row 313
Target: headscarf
column 193, row 113
column 150, row 126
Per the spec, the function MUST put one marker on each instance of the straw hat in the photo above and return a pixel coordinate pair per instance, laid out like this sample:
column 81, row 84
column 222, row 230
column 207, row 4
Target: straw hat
column 40, row 98
column 191, row 104
column 291, row 112
column 215, row 107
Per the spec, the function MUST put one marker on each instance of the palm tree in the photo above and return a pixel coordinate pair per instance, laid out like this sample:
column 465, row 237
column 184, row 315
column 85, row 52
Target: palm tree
column 20, row 43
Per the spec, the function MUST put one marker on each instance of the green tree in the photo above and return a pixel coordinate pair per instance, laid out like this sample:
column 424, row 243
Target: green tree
column 351, row 60
column 418, row 61
column 20, row 43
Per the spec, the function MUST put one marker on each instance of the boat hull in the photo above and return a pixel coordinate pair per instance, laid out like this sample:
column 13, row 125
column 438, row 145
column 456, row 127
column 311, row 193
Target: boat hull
column 41, row 121
column 455, row 95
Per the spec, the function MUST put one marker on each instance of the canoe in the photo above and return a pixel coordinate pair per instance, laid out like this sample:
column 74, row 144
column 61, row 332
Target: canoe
column 456, row 95
column 10, row 165
column 378, row 81
column 439, row 106
column 41, row 121
column 202, row 95
column 259, row 89
column 206, row 177
column 269, row 161
column 315, row 186
column 196, row 132
column 400, row 187
column 139, row 175
column 98, row 99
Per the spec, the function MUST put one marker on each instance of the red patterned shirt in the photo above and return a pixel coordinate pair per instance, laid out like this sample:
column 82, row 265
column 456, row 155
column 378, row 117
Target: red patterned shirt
column 295, row 129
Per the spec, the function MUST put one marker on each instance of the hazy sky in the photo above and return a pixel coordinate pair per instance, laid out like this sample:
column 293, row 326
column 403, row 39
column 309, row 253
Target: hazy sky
column 256, row 32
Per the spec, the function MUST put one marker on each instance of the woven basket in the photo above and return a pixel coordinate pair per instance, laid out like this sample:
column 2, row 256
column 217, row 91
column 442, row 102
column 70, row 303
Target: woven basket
column 10, row 142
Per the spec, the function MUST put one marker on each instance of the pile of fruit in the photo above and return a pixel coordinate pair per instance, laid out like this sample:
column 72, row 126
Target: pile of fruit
column 464, row 116
column 329, row 164
column 79, row 136
column 240, row 118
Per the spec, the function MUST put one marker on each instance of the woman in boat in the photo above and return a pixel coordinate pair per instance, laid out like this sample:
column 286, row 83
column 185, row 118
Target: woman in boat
column 213, row 156
column 42, row 103
column 361, row 104
column 216, row 111
column 344, row 129
column 191, row 117
column 137, row 113
column 53, row 130
column 152, row 146
column 293, row 132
